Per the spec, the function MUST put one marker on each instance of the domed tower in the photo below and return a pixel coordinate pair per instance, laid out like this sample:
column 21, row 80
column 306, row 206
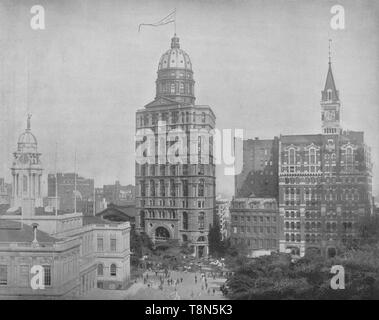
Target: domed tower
column 175, row 199
column 175, row 75
column 26, row 173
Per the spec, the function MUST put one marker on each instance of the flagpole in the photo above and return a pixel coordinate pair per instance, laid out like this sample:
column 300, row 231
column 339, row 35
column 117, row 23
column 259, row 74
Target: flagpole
column 94, row 198
column 56, row 180
column 75, row 183
column 175, row 22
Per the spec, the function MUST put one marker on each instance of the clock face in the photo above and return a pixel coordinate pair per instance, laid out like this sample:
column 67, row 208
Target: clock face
column 329, row 115
column 24, row 158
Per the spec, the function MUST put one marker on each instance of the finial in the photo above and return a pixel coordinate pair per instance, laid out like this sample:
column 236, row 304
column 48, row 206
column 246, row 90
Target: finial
column 28, row 121
column 330, row 43
column 175, row 42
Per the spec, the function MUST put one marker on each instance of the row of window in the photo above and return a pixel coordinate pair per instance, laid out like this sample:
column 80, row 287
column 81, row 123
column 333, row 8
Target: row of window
column 24, row 275
column 185, row 219
column 254, row 218
column 256, row 243
column 170, row 170
column 112, row 270
column 176, row 88
column 254, row 205
column 256, row 230
column 155, row 188
column 112, row 244
column 174, row 116
column 171, row 203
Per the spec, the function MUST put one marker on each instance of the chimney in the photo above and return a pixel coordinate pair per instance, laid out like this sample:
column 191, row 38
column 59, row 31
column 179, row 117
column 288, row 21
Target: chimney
column 35, row 226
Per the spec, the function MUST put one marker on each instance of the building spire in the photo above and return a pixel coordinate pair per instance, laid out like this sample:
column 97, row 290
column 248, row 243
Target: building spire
column 330, row 55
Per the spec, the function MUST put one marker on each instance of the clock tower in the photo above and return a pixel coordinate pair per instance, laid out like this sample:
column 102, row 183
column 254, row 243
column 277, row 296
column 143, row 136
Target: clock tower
column 330, row 105
column 26, row 174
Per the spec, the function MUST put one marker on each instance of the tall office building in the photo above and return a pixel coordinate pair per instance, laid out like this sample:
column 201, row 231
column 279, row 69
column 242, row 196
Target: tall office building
column 175, row 200
column 324, row 182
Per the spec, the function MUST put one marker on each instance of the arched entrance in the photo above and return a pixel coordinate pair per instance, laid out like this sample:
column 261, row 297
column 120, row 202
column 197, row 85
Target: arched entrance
column 200, row 251
column 162, row 234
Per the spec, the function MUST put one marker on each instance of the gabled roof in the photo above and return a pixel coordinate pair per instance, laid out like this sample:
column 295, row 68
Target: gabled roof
column 118, row 213
column 162, row 101
column 15, row 231
column 330, row 85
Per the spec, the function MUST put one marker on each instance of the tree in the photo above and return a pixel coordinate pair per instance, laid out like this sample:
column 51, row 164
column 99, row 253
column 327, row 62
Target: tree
column 214, row 240
column 140, row 243
column 277, row 277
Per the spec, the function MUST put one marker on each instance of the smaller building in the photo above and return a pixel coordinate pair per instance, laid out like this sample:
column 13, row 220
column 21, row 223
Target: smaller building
column 66, row 183
column 119, row 214
column 116, row 194
column 5, row 192
column 255, row 224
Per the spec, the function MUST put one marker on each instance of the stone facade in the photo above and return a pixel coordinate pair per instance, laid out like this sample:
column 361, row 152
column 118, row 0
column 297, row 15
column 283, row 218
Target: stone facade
column 175, row 200
column 77, row 252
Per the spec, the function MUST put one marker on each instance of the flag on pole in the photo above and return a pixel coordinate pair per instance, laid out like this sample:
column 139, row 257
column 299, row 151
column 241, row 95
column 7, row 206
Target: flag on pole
column 171, row 18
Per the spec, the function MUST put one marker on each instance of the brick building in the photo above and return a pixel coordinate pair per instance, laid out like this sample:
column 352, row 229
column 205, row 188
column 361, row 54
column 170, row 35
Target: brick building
column 255, row 224
column 65, row 182
column 322, row 182
column 325, row 182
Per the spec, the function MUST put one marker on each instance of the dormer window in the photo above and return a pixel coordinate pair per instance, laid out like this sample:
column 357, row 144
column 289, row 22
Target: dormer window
column 329, row 95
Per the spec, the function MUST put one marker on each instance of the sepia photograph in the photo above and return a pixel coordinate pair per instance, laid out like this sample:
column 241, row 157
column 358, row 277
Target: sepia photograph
column 189, row 150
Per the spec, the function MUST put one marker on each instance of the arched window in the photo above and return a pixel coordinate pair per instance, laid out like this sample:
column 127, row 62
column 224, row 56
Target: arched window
column 172, row 87
column 349, row 157
column 142, row 219
column 113, row 270
column 201, row 220
column 172, row 188
column 25, row 184
column 152, row 188
column 161, row 188
column 291, row 156
column 185, row 188
column 200, row 190
column 162, row 233
column 312, row 156
column 181, row 88
column 100, row 269
column 185, row 220
column 184, row 238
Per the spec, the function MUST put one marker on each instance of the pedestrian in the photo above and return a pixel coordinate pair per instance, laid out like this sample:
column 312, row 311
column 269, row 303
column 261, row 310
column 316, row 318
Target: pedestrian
column 181, row 280
column 214, row 291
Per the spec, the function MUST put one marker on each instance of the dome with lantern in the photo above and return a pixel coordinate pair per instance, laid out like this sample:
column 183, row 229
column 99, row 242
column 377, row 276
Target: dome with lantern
column 27, row 142
column 175, row 75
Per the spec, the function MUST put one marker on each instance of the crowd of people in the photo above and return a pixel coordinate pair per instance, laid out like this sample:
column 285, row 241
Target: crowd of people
column 182, row 285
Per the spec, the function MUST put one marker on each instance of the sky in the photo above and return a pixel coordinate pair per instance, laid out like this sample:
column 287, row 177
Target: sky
column 260, row 65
